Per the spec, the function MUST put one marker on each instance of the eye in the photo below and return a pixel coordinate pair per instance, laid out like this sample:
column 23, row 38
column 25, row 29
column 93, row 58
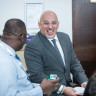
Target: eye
column 46, row 23
column 54, row 23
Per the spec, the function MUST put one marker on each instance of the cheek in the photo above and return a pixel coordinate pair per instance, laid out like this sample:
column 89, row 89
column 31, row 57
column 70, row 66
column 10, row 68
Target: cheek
column 44, row 29
column 56, row 28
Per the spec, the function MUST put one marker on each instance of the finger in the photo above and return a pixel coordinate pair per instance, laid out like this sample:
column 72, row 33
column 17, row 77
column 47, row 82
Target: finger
column 73, row 93
column 56, row 88
column 73, row 90
column 84, row 86
column 55, row 81
column 57, row 84
column 48, row 94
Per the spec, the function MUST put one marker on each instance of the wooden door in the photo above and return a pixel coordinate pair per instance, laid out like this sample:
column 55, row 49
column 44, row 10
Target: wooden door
column 84, row 33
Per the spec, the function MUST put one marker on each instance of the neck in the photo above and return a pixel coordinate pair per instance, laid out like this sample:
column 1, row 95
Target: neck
column 9, row 42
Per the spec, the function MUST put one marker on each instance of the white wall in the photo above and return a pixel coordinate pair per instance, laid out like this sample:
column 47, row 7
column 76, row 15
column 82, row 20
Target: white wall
column 16, row 8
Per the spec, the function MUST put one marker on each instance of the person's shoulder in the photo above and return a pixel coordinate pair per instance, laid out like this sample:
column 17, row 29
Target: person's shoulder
column 2, row 52
column 5, row 60
column 31, row 41
column 4, row 57
column 35, row 40
column 62, row 33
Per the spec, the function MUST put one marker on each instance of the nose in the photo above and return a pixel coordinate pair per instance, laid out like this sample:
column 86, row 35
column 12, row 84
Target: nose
column 50, row 26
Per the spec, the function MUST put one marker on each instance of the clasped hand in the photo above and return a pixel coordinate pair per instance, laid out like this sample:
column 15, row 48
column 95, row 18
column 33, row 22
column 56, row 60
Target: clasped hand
column 48, row 86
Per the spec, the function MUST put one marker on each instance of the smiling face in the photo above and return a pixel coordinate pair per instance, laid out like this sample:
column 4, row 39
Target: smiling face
column 49, row 24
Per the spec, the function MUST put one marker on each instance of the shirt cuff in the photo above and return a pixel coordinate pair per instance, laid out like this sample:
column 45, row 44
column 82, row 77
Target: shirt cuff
column 61, row 89
column 83, row 83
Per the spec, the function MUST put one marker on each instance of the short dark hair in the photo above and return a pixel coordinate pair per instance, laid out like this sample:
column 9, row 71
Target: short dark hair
column 90, row 89
column 13, row 25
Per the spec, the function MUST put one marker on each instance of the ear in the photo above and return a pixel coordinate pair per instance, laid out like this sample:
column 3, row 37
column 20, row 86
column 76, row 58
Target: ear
column 21, row 37
column 58, row 24
column 39, row 24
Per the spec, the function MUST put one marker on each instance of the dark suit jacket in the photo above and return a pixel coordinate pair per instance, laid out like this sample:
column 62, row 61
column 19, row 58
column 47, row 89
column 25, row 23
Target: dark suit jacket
column 42, row 59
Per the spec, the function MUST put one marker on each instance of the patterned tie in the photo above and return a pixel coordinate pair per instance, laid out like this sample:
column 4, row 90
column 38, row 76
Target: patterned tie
column 55, row 46
column 17, row 57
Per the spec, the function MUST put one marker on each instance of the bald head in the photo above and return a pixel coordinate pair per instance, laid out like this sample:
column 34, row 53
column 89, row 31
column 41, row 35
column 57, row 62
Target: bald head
column 48, row 14
column 48, row 24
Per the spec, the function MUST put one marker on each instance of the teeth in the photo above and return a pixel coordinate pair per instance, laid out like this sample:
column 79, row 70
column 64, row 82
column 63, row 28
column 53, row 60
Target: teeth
column 50, row 31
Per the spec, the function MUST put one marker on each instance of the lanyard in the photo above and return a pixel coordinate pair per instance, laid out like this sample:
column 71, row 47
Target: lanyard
column 12, row 55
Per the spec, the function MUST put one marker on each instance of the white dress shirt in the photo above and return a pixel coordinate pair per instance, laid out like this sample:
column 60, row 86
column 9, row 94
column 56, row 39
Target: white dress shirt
column 14, row 80
column 59, row 47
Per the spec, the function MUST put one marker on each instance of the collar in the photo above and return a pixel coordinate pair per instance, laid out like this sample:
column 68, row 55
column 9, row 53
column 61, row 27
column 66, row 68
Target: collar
column 56, row 38
column 9, row 49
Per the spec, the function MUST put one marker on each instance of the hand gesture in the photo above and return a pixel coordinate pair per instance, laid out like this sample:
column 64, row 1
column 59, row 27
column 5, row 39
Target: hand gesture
column 69, row 91
column 48, row 86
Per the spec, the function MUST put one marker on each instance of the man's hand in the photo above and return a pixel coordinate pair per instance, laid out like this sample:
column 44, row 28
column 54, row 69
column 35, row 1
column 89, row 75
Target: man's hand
column 48, row 86
column 84, row 84
column 69, row 91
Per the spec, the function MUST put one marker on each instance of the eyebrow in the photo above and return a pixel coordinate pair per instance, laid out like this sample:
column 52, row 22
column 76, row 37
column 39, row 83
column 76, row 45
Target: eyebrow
column 48, row 21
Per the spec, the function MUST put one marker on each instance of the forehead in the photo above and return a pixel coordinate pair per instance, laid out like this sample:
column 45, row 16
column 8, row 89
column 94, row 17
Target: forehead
column 49, row 16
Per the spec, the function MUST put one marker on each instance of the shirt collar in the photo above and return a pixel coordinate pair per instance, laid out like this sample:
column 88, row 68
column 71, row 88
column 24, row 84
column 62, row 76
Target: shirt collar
column 9, row 49
column 56, row 38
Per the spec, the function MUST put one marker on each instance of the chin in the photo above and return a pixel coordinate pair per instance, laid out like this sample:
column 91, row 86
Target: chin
column 50, row 37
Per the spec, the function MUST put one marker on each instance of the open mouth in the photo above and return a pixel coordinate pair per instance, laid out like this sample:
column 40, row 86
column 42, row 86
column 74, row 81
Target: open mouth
column 50, row 32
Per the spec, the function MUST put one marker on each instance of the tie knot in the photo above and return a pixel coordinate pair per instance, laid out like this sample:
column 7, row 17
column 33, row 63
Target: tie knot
column 54, row 41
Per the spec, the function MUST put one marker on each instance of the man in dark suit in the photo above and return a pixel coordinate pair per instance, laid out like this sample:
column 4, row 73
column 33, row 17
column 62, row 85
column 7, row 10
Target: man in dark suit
column 44, row 57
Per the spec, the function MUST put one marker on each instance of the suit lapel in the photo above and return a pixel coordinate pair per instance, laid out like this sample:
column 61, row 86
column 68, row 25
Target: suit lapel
column 50, row 47
column 61, row 40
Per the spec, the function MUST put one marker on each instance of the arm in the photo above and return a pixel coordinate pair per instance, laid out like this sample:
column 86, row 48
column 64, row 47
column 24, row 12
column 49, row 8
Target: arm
column 76, row 67
column 72, row 63
column 77, row 70
column 9, row 85
column 34, row 62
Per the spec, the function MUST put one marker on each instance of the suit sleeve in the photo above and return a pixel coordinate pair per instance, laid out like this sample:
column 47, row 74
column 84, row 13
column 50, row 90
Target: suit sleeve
column 76, row 67
column 34, row 62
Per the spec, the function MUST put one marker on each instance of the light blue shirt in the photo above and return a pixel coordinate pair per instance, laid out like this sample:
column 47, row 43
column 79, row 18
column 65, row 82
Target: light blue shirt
column 14, row 80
